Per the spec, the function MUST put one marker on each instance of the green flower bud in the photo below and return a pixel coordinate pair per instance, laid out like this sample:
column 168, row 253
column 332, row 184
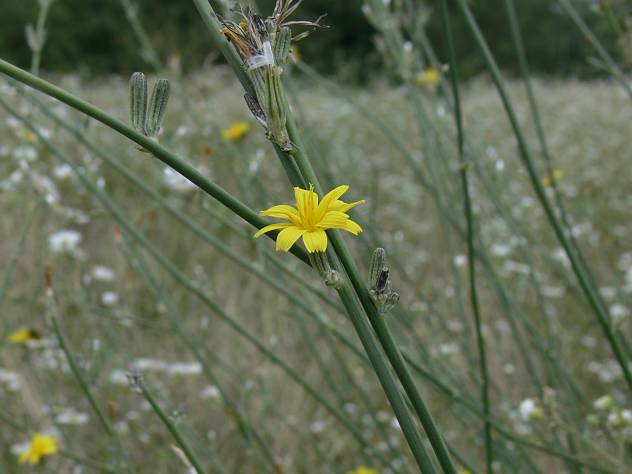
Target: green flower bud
column 330, row 276
column 138, row 101
column 157, row 107
column 282, row 43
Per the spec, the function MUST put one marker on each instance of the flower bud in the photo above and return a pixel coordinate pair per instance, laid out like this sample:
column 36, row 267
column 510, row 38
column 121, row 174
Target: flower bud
column 330, row 276
column 282, row 43
column 380, row 291
column 378, row 259
column 157, row 107
column 138, row 101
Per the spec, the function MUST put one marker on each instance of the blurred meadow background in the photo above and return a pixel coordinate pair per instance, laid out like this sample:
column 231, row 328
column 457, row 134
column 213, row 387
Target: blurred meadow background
column 144, row 330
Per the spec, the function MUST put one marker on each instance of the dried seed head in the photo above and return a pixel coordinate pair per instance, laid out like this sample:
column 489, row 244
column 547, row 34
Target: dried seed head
column 383, row 282
column 135, row 379
column 380, row 290
column 256, row 110
column 378, row 261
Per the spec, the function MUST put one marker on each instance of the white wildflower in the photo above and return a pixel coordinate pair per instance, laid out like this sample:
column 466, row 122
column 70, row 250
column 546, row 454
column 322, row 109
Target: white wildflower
column 70, row 416
column 529, row 410
column 101, row 273
column 175, row 181
column 118, row 377
column 184, row 368
column 62, row 171
column 210, row 392
column 64, row 241
column 109, row 298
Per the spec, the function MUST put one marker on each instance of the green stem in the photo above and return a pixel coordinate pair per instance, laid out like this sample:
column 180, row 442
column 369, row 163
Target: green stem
column 590, row 292
column 349, row 300
column 469, row 219
column 173, row 429
column 378, row 323
column 189, row 285
column 245, row 430
column 174, row 161
column 40, row 32
column 17, row 252
column 610, row 64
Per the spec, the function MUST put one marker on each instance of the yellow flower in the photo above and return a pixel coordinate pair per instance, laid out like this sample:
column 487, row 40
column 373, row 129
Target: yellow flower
column 22, row 336
column 30, row 137
column 464, row 471
column 311, row 218
column 363, row 470
column 41, row 445
column 295, row 50
column 236, row 131
column 429, row 78
column 556, row 176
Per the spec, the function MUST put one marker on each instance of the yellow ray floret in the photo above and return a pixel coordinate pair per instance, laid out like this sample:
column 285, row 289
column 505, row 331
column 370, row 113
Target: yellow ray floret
column 40, row 446
column 236, row 131
column 21, row 336
column 311, row 218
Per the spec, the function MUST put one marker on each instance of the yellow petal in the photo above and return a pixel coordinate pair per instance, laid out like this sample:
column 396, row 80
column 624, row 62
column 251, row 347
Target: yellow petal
column 342, row 206
column 268, row 228
column 287, row 237
column 333, row 220
column 282, row 211
column 353, row 227
column 306, row 201
column 330, row 197
column 24, row 457
column 315, row 241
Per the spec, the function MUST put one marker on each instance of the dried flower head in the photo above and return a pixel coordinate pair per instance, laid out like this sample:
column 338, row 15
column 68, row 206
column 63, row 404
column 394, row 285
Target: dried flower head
column 264, row 46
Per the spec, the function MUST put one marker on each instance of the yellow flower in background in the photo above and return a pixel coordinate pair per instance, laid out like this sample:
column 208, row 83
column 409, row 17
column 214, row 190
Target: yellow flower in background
column 295, row 51
column 463, row 471
column 429, row 78
column 22, row 336
column 236, row 131
column 310, row 219
column 30, row 137
column 363, row 470
column 556, row 176
column 40, row 446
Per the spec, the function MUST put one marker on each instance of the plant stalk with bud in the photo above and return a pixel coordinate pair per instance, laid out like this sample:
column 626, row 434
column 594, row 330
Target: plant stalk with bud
column 264, row 47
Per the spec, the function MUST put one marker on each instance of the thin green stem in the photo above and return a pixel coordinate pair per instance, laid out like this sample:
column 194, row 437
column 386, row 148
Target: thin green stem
column 469, row 219
column 40, row 36
column 590, row 292
column 377, row 322
column 169, row 158
column 354, row 309
column 610, row 64
column 173, row 429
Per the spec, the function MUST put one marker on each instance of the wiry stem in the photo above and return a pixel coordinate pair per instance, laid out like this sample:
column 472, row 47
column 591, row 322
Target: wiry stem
column 591, row 294
column 469, row 219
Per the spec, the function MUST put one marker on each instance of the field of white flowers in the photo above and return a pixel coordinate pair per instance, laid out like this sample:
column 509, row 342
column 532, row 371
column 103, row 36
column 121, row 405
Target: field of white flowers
column 118, row 308
column 473, row 318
